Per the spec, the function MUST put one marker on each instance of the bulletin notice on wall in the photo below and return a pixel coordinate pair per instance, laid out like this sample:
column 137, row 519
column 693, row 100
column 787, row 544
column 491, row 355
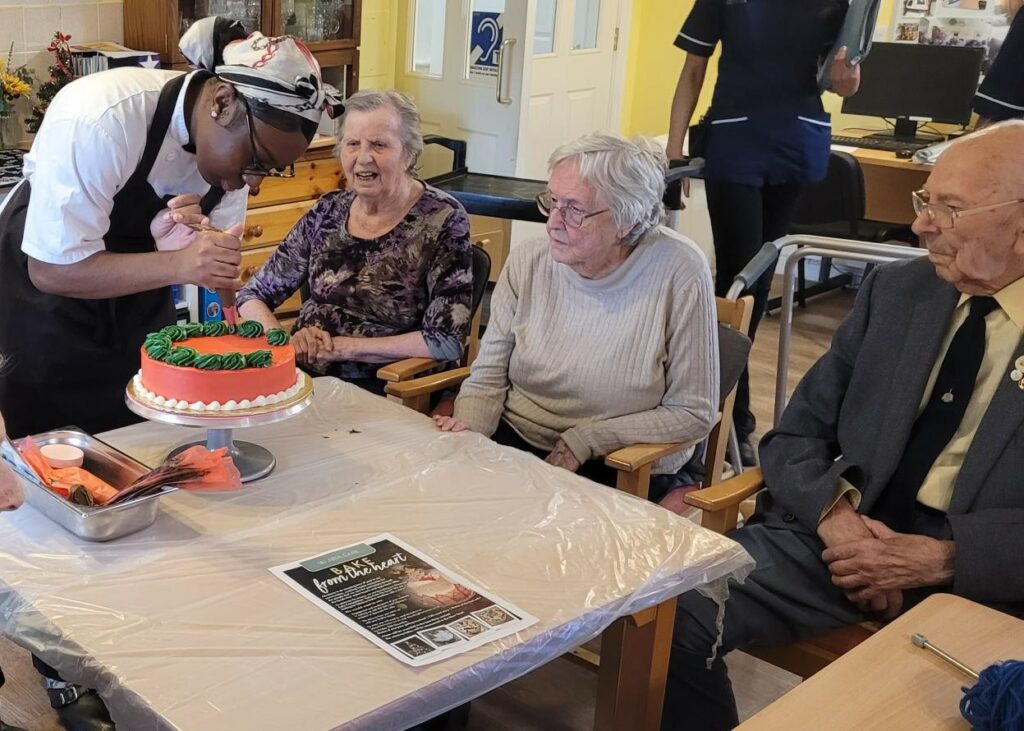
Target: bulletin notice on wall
column 412, row 607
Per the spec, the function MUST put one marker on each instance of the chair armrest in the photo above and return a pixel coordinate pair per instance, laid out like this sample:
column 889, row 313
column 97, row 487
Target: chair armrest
column 635, row 456
column 403, row 370
column 427, row 384
column 727, row 494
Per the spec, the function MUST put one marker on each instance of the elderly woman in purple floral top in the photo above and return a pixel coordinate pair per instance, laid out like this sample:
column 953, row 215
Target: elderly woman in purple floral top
column 387, row 259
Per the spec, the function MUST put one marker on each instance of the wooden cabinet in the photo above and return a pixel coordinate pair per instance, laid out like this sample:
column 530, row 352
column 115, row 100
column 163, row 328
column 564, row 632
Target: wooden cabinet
column 329, row 27
column 280, row 204
column 252, row 261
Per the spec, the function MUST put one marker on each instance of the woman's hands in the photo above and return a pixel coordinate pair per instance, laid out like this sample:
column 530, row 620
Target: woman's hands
column 316, row 347
column 845, row 77
column 313, row 346
column 170, row 227
column 448, row 423
column 562, row 456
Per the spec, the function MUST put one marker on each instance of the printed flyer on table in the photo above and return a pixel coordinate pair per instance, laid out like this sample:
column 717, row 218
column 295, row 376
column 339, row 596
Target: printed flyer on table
column 401, row 600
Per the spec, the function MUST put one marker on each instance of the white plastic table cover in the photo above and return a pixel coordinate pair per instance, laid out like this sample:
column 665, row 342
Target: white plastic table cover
column 182, row 626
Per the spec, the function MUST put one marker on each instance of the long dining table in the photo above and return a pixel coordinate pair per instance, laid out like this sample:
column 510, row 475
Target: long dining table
column 183, row 626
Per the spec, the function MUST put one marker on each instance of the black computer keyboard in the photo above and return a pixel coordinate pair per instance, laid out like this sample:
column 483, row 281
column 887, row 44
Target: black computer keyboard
column 878, row 143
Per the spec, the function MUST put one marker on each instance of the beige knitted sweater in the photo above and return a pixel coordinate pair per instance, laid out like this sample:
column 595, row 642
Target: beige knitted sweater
column 601, row 363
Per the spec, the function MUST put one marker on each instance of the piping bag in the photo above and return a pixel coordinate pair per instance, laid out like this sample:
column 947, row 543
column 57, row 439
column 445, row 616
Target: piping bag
column 227, row 296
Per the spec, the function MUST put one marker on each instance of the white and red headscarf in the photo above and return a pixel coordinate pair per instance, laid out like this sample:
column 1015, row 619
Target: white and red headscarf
column 280, row 72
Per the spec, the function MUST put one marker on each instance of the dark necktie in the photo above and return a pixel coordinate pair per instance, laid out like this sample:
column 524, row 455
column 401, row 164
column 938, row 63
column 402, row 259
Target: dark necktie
column 940, row 418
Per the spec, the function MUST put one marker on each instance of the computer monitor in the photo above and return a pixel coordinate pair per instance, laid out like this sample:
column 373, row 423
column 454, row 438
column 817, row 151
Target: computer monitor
column 917, row 83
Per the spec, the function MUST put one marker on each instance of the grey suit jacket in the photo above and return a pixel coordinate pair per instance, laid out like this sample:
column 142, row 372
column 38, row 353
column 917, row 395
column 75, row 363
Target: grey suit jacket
column 852, row 414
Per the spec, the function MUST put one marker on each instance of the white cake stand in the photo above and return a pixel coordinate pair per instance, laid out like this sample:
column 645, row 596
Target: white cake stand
column 252, row 460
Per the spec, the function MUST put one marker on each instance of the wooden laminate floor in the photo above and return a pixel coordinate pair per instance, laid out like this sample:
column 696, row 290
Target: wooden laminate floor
column 559, row 696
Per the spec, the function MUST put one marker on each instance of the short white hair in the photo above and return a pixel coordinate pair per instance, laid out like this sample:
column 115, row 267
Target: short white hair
column 630, row 174
column 408, row 116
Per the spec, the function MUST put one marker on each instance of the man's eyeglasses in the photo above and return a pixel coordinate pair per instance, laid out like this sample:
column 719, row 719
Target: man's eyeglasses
column 945, row 216
column 572, row 216
column 257, row 168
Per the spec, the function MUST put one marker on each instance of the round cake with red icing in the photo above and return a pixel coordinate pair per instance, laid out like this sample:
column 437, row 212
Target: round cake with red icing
column 215, row 367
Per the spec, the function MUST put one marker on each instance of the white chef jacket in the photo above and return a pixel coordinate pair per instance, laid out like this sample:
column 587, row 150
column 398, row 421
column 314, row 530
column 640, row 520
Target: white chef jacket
column 90, row 143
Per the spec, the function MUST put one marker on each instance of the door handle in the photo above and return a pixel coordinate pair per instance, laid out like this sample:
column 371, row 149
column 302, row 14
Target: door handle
column 505, row 45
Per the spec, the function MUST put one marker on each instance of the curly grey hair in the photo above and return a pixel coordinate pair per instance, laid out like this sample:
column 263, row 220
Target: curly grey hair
column 408, row 115
column 630, row 174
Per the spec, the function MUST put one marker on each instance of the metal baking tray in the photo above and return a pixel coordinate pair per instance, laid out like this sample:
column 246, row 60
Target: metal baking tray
column 109, row 464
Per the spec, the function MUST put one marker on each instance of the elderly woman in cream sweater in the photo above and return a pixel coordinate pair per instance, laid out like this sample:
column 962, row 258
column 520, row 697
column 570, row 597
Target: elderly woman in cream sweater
column 602, row 333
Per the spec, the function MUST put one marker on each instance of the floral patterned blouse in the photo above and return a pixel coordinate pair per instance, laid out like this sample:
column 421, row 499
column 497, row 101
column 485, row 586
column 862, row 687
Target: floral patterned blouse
column 416, row 277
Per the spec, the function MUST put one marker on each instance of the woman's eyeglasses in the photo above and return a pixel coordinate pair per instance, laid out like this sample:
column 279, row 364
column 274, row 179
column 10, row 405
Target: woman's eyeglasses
column 255, row 167
column 945, row 216
column 572, row 216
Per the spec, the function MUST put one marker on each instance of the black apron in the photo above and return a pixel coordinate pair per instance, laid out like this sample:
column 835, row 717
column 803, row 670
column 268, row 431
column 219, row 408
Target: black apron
column 69, row 359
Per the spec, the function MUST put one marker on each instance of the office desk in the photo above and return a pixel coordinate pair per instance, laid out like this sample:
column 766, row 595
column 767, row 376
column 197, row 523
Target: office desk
column 182, row 626
column 888, row 683
column 888, row 183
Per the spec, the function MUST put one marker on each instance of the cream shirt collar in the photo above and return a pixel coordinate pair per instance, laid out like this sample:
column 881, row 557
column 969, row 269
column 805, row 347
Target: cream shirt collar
column 1011, row 301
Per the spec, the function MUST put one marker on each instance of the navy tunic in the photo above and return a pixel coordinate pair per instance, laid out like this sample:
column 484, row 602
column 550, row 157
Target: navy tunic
column 767, row 123
column 1001, row 94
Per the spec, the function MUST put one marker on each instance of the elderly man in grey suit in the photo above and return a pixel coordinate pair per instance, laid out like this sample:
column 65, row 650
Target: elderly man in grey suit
column 898, row 466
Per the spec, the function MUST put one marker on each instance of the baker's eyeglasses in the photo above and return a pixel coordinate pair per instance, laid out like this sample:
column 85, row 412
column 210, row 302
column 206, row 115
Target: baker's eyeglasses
column 257, row 168
column 945, row 216
column 572, row 216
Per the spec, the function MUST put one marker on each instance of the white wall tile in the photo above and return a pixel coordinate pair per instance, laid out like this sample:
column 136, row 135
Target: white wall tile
column 40, row 23
column 80, row 22
column 39, row 62
column 12, row 29
column 30, row 24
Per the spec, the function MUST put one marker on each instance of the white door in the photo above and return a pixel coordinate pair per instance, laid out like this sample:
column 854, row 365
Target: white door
column 463, row 66
column 571, row 87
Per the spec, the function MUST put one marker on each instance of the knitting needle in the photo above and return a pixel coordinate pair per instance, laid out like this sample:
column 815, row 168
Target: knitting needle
column 227, row 296
column 922, row 642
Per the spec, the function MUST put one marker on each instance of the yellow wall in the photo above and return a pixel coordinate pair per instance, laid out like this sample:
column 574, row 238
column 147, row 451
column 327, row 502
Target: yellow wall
column 377, row 41
column 654, row 64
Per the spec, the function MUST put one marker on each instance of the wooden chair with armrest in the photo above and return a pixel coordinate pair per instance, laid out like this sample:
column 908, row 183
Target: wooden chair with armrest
column 409, row 368
column 634, row 462
column 720, row 512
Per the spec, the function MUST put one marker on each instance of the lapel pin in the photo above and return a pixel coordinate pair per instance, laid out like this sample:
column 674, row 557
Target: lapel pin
column 1018, row 364
column 947, row 397
column 1016, row 375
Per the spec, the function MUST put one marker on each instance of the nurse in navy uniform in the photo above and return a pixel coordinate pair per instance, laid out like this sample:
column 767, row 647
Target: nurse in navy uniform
column 1001, row 94
column 95, row 235
column 767, row 133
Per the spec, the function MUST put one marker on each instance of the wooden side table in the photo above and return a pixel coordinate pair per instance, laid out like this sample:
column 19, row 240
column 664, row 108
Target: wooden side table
column 888, row 683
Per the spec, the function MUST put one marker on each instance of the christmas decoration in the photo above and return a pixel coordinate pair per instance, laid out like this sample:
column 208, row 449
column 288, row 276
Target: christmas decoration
column 61, row 73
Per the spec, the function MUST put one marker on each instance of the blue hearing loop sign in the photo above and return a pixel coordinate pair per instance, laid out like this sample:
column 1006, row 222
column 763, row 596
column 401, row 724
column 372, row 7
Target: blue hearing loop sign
column 486, row 34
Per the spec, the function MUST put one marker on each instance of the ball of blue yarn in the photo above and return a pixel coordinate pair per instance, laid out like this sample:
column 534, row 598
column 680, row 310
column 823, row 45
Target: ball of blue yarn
column 996, row 701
